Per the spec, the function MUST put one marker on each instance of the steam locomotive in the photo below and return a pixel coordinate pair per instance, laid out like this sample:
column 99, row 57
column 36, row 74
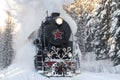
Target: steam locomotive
column 57, row 54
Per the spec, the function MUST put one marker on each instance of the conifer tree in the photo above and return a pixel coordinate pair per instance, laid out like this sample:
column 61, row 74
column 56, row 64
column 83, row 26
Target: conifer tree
column 6, row 42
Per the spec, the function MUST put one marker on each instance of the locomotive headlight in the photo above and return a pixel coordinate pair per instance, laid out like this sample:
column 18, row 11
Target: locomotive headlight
column 59, row 21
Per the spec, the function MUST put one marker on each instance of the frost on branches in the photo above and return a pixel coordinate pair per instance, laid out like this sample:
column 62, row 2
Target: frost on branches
column 6, row 48
column 98, row 27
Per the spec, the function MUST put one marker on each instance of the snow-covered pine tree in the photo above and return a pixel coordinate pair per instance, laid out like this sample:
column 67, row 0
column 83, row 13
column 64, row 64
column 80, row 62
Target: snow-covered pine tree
column 81, row 11
column 102, row 30
column 1, row 49
column 7, row 52
column 114, row 40
column 99, row 33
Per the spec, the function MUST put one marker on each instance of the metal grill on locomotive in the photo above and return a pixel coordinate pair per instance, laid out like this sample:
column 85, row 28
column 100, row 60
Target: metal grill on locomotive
column 54, row 48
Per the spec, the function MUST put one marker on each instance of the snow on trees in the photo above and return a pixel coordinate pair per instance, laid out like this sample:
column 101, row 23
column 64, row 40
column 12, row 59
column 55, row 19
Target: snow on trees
column 98, row 28
column 6, row 42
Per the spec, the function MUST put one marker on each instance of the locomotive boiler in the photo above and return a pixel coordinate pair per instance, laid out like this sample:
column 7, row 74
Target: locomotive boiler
column 57, row 53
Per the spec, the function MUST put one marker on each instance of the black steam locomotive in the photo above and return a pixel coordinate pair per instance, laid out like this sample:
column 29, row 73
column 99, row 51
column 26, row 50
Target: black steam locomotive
column 56, row 55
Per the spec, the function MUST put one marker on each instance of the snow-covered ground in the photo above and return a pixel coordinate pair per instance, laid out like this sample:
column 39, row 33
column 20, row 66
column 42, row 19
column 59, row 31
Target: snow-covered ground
column 89, row 63
column 29, row 14
column 20, row 74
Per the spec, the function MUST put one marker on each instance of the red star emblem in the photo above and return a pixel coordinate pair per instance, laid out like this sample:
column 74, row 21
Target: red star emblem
column 58, row 34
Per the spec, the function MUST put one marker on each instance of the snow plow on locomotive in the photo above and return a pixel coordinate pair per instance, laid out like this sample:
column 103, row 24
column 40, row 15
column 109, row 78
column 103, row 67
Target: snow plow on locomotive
column 57, row 55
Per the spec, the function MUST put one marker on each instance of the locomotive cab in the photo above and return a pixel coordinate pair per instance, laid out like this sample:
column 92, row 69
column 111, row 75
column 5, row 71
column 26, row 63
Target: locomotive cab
column 55, row 54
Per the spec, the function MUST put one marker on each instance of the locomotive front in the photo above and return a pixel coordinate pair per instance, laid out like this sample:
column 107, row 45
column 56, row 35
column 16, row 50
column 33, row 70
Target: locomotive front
column 55, row 51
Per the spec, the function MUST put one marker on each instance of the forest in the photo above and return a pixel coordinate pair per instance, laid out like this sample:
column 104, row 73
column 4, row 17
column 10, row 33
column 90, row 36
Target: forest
column 98, row 31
